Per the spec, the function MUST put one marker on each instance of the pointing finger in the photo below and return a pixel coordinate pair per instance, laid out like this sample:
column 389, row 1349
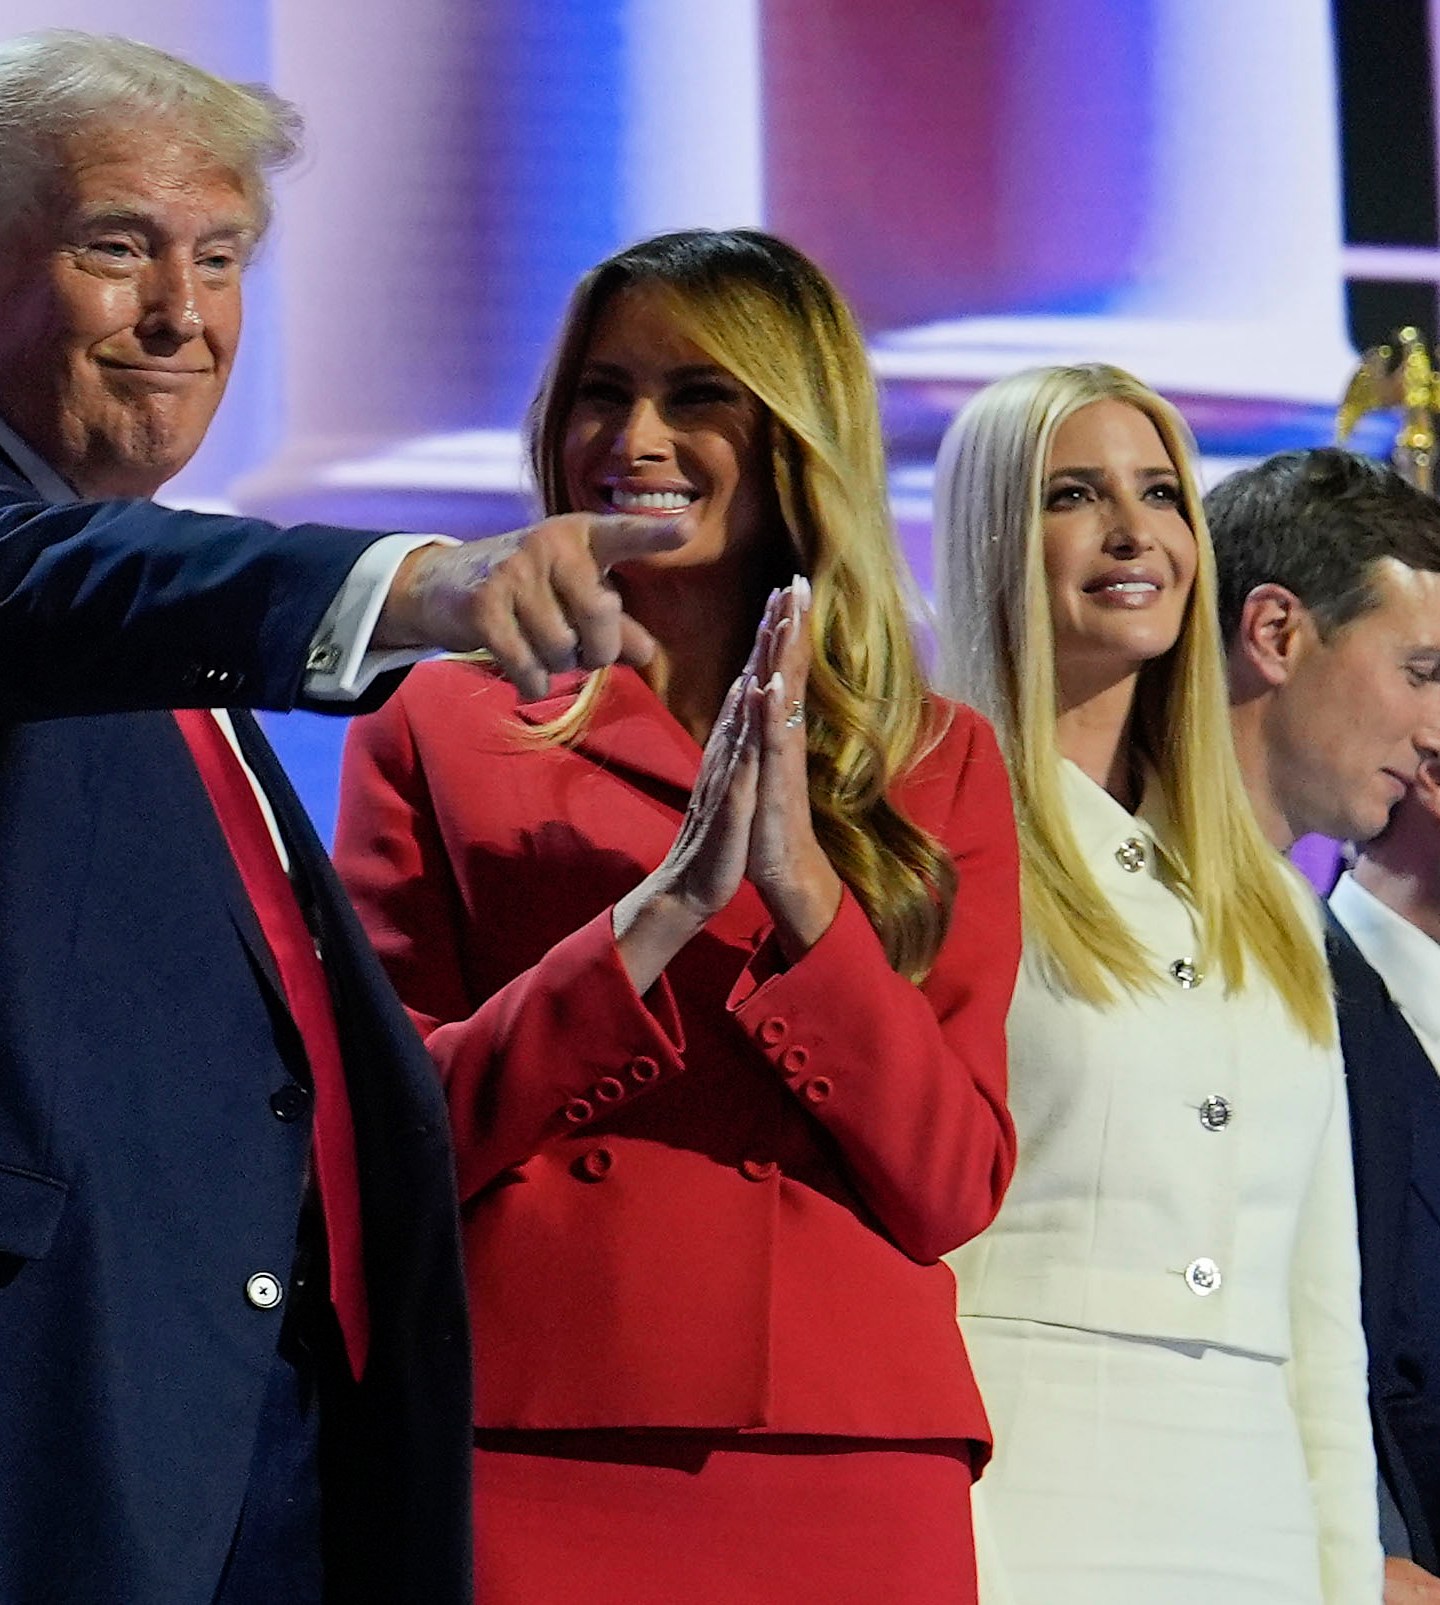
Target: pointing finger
column 617, row 539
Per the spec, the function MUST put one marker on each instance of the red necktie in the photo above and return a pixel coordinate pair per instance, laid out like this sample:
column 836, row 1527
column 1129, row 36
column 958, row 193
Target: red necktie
column 306, row 991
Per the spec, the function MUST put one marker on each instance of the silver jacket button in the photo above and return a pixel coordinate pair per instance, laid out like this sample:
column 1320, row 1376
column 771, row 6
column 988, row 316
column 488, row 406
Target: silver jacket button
column 1202, row 1277
column 1186, row 974
column 1130, row 855
column 264, row 1290
column 1215, row 1113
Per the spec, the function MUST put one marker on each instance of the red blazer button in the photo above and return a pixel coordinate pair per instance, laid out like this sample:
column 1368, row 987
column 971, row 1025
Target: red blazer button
column 772, row 1030
column 643, row 1069
column 758, row 1169
column 578, row 1111
column 794, row 1060
column 609, row 1090
column 594, row 1165
column 817, row 1089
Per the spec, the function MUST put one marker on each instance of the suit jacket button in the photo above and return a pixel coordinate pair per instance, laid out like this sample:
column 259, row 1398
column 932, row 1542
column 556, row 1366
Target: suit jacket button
column 1130, row 855
column 758, row 1169
column 642, row 1069
column 578, row 1111
column 609, row 1090
column 289, row 1102
column 1215, row 1113
column 794, row 1060
column 594, row 1164
column 263, row 1291
column 772, row 1030
column 817, row 1089
column 1202, row 1277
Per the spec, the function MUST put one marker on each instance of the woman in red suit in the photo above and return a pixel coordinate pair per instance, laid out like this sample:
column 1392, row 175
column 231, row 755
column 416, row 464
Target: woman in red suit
column 714, row 959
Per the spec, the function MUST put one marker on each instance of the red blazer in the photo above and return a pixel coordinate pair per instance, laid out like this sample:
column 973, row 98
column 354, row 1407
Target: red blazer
column 719, row 1205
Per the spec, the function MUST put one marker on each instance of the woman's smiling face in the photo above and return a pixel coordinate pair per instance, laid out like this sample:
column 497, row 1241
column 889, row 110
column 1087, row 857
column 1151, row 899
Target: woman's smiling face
column 659, row 428
column 1120, row 556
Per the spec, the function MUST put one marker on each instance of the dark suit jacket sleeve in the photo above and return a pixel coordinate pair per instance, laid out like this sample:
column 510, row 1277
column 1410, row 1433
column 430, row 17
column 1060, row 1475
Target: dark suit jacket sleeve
column 1394, row 1115
column 113, row 607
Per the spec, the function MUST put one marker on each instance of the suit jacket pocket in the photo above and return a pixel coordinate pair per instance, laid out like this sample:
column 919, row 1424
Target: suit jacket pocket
column 30, row 1209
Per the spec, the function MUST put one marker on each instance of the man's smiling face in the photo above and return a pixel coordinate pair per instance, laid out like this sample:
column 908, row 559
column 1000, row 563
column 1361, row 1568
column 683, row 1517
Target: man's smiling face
column 120, row 308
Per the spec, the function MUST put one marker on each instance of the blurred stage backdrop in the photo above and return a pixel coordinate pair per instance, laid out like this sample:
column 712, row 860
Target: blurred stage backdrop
column 1229, row 198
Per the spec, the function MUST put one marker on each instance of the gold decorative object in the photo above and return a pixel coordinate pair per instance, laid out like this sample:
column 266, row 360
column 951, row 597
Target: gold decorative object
column 1398, row 376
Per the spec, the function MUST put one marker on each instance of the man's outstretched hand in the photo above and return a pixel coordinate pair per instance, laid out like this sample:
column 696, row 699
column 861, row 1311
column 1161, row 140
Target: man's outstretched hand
column 537, row 600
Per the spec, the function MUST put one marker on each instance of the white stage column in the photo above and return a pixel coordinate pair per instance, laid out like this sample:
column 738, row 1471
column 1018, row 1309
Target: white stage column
column 1001, row 183
column 691, row 150
column 462, row 175
column 1151, row 181
column 469, row 164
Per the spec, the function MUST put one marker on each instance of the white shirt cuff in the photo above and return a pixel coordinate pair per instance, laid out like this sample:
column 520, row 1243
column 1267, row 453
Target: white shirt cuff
column 340, row 664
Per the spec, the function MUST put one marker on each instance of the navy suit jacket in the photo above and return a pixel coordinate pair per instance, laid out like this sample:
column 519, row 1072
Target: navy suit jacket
column 144, row 1176
column 1394, row 1096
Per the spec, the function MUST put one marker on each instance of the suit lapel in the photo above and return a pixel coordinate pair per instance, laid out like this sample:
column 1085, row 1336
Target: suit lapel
column 12, row 474
column 631, row 729
column 1374, row 1039
column 242, row 910
column 352, row 972
column 301, row 843
column 315, row 886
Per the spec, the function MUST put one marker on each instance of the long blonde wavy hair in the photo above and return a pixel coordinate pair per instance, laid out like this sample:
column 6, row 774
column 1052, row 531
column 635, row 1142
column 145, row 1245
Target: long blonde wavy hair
column 766, row 314
column 997, row 649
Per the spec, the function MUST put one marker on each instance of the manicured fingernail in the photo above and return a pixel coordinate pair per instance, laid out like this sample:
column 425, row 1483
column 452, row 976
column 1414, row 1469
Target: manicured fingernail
column 775, row 685
column 801, row 587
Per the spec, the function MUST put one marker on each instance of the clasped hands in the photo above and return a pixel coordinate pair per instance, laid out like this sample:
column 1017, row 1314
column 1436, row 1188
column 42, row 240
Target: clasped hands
column 748, row 816
column 539, row 601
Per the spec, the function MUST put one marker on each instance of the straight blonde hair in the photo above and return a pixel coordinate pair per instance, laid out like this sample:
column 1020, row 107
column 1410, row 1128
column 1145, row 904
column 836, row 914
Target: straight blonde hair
column 765, row 313
column 998, row 652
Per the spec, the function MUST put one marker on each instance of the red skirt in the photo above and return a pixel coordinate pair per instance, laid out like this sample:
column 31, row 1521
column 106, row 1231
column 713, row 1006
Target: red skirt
column 645, row 1518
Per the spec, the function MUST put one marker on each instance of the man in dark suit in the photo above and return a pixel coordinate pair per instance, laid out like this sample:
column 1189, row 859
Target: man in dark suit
column 233, row 1364
column 1385, row 951
column 1329, row 571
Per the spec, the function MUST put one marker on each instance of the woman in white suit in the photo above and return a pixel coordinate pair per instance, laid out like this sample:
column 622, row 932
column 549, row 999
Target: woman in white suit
column 1164, row 1318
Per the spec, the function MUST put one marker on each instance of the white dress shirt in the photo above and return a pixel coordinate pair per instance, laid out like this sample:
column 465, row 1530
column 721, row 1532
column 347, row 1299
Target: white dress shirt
column 1406, row 960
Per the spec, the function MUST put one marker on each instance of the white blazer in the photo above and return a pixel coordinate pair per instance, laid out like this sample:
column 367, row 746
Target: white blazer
column 1184, row 1168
